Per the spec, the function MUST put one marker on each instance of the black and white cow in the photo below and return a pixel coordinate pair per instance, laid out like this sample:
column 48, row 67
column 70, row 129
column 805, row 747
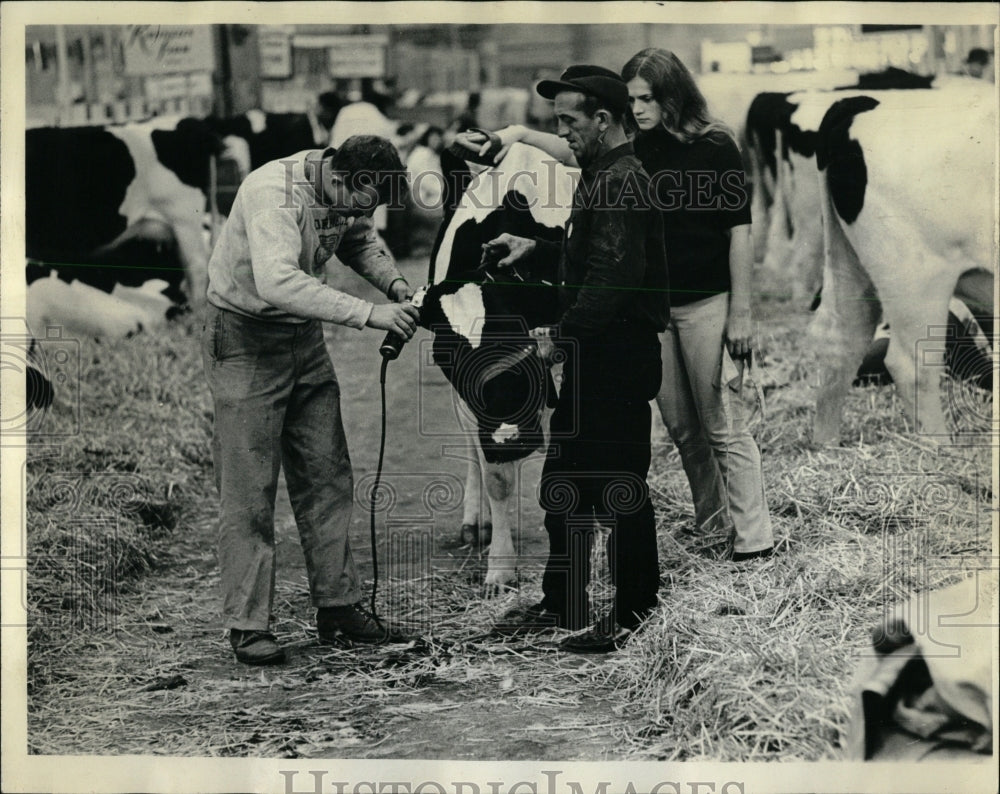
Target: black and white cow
column 481, row 323
column 780, row 146
column 908, row 196
column 269, row 136
column 782, row 134
column 117, row 206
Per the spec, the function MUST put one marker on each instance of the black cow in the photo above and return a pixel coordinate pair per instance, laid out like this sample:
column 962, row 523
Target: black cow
column 481, row 322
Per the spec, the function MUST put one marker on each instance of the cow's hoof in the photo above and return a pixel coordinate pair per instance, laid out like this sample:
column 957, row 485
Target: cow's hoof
column 499, row 583
column 468, row 534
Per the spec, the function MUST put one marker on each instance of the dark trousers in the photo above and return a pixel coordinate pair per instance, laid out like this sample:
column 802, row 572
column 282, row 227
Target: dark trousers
column 596, row 469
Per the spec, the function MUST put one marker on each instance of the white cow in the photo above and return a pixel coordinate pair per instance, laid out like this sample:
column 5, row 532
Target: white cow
column 908, row 200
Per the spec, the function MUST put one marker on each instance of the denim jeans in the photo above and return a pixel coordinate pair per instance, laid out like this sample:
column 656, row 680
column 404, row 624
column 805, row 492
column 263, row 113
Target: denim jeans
column 707, row 423
column 277, row 403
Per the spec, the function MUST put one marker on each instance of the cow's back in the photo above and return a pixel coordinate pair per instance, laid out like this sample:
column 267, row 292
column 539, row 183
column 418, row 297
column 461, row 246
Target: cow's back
column 75, row 181
column 914, row 163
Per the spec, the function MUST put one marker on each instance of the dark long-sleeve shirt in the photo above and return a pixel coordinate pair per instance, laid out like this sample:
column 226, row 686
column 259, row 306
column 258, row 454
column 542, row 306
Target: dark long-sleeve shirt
column 611, row 262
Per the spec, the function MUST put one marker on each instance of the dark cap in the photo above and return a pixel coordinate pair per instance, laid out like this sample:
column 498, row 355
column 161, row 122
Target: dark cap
column 978, row 55
column 595, row 81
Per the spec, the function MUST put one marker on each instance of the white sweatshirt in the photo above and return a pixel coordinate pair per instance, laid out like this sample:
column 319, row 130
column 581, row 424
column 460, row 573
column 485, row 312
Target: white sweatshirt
column 270, row 257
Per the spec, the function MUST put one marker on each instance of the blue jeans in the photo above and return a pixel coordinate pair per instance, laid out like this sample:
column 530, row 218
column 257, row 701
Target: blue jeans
column 706, row 421
column 277, row 403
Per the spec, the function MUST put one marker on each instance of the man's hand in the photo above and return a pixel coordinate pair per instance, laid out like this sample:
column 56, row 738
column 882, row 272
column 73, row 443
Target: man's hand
column 546, row 347
column 739, row 332
column 507, row 250
column 400, row 291
column 400, row 318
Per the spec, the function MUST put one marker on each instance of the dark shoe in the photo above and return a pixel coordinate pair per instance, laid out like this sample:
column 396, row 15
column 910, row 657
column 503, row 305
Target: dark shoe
column 532, row 620
column 474, row 535
column 742, row 556
column 355, row 623
column 255, row 647
column 468, row 534
column 599, row 638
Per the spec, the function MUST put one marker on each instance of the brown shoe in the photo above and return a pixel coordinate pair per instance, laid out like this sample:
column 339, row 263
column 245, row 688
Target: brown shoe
column 354, row 623
column 255, row 647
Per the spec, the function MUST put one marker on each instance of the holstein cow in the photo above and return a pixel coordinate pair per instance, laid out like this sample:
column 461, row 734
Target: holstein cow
column 780, row 145
column 782, row 132
column 481, row 322
column 908, row 196
column 117, row 205
column 270, row 136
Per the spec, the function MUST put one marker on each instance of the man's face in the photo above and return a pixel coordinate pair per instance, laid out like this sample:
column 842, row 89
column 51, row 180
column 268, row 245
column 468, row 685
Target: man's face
column 582, row 132
column 346, row 202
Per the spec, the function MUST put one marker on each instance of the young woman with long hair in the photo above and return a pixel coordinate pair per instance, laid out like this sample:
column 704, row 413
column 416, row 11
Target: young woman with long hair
column 699, row 181
column 706, row 214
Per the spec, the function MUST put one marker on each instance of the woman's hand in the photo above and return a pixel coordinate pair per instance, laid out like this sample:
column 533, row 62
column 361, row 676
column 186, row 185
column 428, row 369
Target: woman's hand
column 480, row 144
column 739, row 332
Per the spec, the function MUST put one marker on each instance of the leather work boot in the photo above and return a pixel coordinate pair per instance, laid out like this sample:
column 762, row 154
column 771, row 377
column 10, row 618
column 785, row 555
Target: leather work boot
column 603, row 637
column 255, row 647
column 354, row 623
column 535, row 619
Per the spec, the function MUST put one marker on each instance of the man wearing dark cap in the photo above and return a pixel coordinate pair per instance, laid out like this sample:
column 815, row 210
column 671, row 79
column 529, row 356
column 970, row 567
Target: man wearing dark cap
column 276, row 397
column 977, row 61
column 613, row 288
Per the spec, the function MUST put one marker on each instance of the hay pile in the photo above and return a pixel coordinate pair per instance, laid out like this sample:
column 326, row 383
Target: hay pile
column 752, row 661
column 110, row 478
column 740, row 662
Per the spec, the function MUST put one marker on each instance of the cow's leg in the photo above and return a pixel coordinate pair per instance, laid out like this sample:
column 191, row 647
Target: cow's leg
column 759, row 209
column 779, row 231
column 475, row 509
column 500, row 480
column 916, row 354
column 194, row 256
column 843, row 326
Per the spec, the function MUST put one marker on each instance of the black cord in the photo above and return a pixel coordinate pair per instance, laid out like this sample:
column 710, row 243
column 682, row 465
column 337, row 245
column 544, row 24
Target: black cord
column 374, row 497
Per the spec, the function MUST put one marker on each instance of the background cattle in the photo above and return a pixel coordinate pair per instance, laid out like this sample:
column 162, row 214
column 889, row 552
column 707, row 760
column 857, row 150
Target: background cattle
column 119, row 205
column 781, row 137
column 908, row 197
column 780, row 150
column 261, row 137
column 481, row 322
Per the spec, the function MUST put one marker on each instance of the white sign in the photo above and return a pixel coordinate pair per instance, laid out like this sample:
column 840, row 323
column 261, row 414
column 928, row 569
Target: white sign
column 160, row 49
column 275, row 43
column 356, row 56
column 178, row 86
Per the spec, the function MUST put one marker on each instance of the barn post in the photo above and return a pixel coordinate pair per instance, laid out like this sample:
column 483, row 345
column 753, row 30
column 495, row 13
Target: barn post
column 62, row 90
column 224, row 94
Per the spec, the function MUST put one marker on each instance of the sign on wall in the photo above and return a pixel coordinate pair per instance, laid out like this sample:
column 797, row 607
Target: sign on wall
column 159, row 49
column 356, row 56
column 275, row 43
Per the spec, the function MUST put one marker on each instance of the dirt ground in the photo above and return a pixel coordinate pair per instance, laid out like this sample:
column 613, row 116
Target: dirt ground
column 166, row 681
